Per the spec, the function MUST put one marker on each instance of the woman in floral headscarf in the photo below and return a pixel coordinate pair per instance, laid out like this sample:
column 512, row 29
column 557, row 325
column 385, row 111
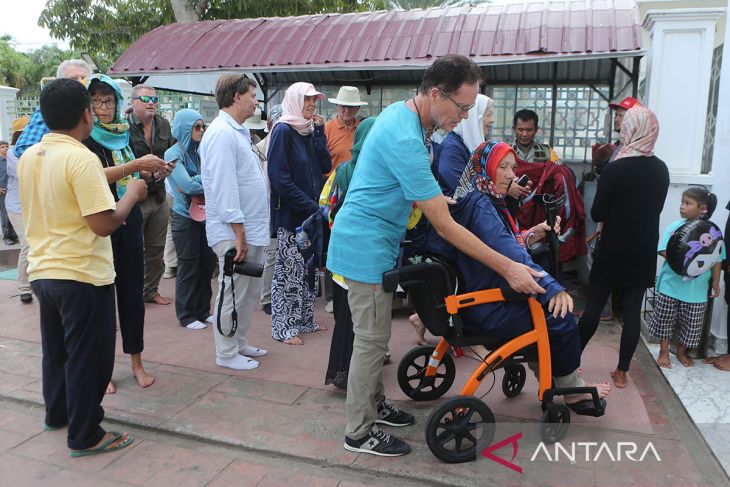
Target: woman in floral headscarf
column 297, row 160
column 109, row 140
column 629, row 199
column 482, row 210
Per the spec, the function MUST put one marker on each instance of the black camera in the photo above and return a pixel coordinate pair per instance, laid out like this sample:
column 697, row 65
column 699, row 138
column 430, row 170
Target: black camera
column 230, row 267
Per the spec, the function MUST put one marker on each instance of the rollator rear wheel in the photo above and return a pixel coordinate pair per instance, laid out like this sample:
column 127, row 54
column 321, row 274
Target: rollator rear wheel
column 513, row 380
column 555, row 422
column 413, row 381
column 457, row 428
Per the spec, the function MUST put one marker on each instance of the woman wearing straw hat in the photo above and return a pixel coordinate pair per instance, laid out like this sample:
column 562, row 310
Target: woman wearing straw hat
column 340, row 131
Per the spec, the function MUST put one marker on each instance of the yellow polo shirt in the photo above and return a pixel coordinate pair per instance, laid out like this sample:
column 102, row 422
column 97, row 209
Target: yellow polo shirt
column 61, row 182
column 340, row 139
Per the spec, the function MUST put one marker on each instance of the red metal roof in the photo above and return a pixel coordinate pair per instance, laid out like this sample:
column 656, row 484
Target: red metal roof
column 487, row 33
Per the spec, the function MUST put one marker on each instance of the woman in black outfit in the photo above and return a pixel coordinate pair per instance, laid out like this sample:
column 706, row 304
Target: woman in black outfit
column 109, row 140
column 628, row 202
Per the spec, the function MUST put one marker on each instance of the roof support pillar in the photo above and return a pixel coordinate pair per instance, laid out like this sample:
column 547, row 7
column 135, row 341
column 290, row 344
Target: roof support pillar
column 553, row 111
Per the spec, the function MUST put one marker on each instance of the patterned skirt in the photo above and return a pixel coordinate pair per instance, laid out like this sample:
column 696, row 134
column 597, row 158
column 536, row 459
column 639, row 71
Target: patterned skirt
column 292, row 302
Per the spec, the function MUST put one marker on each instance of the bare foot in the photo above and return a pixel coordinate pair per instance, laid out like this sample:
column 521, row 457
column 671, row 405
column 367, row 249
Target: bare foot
column 111, row 388
column 420, row 328
column 663, row 360
column 143, row 378
column 604, row 389
column 721, row 362
column 685, row 360
column 157, row 299
column 620, row 378
column 294, row 341
column 321, row 328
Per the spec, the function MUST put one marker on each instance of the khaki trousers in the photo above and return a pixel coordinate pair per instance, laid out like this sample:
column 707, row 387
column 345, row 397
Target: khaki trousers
column 371, row 319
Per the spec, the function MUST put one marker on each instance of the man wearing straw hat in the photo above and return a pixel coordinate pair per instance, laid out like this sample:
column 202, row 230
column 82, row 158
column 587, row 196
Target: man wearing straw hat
column 340, row 131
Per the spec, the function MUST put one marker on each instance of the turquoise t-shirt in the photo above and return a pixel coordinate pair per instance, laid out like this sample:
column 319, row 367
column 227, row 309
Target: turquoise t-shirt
column 673, row 285
column 392, row 171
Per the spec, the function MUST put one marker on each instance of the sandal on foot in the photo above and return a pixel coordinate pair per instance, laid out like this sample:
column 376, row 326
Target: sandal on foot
column 587, row 407
column 104, row 447
column 48, row 427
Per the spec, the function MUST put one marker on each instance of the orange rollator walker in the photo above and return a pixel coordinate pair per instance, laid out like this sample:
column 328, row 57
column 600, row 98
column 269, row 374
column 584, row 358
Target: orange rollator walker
column 464, row 423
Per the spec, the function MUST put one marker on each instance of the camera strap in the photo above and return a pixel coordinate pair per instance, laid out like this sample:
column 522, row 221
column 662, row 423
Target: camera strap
column 234, row 313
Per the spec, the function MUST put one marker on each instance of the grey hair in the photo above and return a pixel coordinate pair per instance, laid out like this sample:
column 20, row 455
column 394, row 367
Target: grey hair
column 137, row 88
column 72, row 62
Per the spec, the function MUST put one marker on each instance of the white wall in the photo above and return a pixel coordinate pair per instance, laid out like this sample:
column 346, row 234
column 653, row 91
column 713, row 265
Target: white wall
column 7, row 111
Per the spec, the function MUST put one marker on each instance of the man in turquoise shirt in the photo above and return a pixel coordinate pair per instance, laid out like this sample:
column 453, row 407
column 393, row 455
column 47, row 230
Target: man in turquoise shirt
column 392, row 172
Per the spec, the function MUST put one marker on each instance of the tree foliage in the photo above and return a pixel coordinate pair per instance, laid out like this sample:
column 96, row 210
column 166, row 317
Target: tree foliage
column 24, row 70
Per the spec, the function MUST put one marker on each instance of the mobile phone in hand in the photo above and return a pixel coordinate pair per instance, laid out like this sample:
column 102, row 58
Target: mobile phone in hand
column 170, row 163
column 523, row 180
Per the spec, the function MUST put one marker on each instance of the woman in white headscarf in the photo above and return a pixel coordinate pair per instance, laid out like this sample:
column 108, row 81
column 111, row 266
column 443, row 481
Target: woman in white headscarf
column 297, row 160
column 456, row 148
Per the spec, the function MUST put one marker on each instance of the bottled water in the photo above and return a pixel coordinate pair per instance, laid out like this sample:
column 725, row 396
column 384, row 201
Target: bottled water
column 302, row 239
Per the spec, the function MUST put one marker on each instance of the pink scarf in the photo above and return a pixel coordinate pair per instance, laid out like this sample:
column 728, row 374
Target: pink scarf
column 639, row 133
column 293, row 105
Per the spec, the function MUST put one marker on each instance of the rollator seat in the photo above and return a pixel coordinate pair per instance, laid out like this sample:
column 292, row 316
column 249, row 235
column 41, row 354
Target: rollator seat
column 428, row 284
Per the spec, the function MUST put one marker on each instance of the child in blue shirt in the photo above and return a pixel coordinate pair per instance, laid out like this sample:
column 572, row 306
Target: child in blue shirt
column 680, row 300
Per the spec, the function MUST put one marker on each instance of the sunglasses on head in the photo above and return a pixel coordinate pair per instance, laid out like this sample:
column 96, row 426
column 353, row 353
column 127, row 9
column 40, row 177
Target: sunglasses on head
column 146, row 99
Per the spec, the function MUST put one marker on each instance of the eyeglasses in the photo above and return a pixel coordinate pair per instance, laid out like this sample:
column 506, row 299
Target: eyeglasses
column 462, row 108
column 110, row 103
column 199, row 126
column 146, row 99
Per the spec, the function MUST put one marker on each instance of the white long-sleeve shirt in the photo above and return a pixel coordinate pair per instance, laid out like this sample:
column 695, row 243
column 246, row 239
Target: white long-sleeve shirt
column 234, row 183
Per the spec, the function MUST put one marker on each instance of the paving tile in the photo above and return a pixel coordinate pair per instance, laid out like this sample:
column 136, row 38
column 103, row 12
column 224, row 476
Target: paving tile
column 19, row 471
column 270, row 426
column 287, row 479
column 241, row 473
column 153, row 463
column 28, row 420
column 263, row 390
column 12, row 382
column 9, row 440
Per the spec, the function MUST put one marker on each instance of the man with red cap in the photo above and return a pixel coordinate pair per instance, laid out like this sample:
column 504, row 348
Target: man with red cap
column 604, row 153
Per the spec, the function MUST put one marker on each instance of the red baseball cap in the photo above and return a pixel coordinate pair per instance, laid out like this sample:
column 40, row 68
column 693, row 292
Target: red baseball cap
column 626, row 103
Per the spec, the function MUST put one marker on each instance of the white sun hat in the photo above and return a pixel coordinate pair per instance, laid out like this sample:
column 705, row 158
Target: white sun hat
column 255, row 122
column 348, row 96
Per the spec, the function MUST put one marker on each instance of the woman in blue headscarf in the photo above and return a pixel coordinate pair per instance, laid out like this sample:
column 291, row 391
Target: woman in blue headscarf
column 195, row 260
column 109, row 140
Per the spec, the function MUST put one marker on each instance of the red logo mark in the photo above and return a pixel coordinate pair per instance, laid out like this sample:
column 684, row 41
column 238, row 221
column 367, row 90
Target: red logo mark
column 487, row 452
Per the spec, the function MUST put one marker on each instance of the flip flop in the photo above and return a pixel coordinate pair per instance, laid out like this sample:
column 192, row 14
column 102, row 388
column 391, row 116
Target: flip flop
column 104, row 447
column 48, row 427
column 587, row 407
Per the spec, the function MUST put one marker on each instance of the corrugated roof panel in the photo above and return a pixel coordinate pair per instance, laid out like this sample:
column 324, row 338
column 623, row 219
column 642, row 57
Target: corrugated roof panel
column 489, row 33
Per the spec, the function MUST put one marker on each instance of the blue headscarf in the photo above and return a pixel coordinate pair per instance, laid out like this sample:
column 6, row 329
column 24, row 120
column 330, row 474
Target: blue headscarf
column 187, row 150
column 113, row 136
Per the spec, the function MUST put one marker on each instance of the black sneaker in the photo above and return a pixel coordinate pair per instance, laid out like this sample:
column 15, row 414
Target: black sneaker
column 392, row 416
column 267, row 308
column 378, row 442
column 26, row 298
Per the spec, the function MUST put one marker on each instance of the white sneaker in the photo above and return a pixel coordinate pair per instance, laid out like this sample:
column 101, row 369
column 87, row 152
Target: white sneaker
column 210, row 319
column 239, row 362
column 250, row 351
column 329, row 307
column 196, row 325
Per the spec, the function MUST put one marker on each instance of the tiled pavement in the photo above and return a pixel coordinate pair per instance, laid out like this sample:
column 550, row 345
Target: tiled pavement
column 278, row 425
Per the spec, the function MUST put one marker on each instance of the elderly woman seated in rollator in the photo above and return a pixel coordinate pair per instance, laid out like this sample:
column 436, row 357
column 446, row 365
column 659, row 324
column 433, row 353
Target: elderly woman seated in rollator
column 481, row 209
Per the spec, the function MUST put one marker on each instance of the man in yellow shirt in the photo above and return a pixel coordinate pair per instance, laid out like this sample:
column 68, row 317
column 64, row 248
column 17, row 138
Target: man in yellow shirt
column 69, row 213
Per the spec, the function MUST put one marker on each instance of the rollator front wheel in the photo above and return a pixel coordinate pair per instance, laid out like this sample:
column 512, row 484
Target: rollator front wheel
column 457, row 428
column 513, row 380
column 412, row 375
column 555, row 422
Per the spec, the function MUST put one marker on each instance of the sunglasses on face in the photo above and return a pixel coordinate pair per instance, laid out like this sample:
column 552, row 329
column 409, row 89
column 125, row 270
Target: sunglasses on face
column 199, row 126
column 146, row 99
